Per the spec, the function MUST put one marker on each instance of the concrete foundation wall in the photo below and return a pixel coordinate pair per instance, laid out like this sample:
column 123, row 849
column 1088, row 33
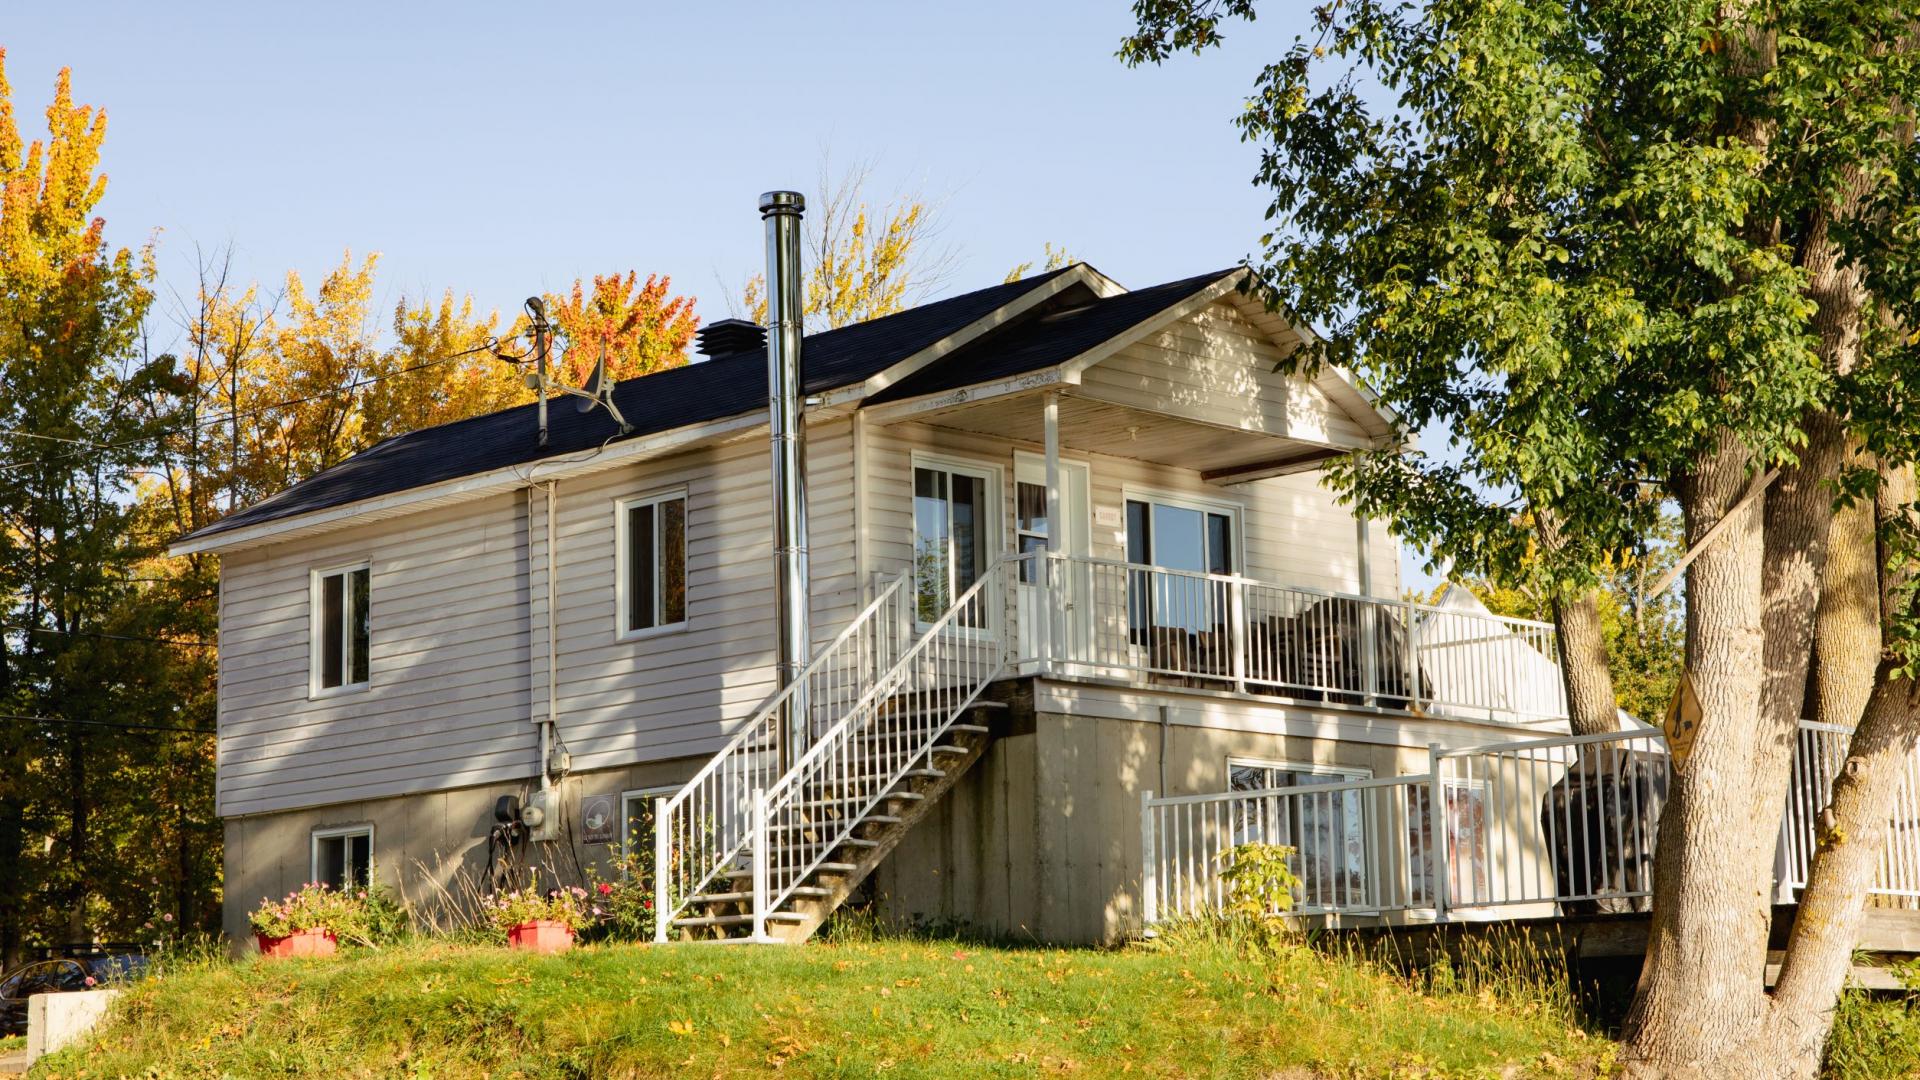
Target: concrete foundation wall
column 1041, row 840
column 426, row 847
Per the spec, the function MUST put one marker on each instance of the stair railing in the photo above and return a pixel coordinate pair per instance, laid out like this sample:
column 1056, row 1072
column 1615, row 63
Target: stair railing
column 850, row 769
column 707, row 824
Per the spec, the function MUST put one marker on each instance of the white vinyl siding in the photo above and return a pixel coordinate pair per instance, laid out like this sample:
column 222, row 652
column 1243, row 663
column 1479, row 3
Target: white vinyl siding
column 1218, row 368
column 448, row 703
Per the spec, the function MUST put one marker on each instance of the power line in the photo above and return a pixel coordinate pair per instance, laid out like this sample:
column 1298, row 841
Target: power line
column 32, row 719
column 491, row 345
column 107, row 636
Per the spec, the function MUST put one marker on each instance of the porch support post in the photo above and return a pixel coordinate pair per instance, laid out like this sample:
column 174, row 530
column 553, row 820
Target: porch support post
column 1369, row 614
column 1437, row 831
column 1150, row 865
column 1052, row 599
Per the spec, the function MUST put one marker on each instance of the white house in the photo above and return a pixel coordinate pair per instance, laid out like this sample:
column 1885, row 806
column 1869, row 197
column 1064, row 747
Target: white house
column 1059, row 542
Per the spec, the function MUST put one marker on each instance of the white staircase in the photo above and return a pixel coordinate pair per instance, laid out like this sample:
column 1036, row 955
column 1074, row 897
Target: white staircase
column 893, row 710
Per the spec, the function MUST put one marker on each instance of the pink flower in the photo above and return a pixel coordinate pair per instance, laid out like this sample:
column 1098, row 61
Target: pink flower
column 168, row 916
column 606, row 889
column 90, row 981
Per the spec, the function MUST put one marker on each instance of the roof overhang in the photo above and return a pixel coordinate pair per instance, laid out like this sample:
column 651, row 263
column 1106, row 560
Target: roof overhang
column 475, row 486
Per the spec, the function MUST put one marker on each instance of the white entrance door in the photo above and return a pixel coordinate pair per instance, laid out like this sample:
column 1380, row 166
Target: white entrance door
column 1031, row 529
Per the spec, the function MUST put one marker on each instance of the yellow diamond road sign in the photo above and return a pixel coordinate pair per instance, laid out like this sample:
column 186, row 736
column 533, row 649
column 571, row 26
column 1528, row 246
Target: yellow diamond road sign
column 1683, row 721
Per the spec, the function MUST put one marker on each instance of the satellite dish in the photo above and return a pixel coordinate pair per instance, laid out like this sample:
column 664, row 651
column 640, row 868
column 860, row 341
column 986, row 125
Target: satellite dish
column 597, row 391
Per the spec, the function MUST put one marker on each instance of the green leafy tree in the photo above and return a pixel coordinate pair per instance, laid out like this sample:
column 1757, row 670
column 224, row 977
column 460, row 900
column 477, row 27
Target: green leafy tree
column 1625, row 255
column 78, row 398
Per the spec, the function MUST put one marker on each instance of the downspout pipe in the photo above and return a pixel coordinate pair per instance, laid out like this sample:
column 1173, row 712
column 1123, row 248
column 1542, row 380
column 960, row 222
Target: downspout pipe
column 781, row 211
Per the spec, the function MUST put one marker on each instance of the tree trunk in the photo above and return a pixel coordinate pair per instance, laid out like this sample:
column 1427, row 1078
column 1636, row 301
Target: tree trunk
column 1846, row 642
column 1852, row 834
column 1700, row 991
column 1591, row 707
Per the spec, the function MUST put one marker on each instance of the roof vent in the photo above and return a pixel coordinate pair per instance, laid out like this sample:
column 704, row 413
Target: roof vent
column 729, row 336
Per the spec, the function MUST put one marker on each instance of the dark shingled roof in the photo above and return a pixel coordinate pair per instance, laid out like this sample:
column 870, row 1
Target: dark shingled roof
column 726, row 386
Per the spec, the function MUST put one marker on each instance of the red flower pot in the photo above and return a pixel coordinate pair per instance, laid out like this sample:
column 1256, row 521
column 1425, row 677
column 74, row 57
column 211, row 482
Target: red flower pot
column 301, row 943
column 541, row 936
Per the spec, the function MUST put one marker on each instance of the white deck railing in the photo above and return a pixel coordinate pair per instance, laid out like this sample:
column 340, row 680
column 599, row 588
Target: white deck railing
column 1223, row 631
column 1818, row 756
column 860, row 760
column 706, row 825
column 1564, row 824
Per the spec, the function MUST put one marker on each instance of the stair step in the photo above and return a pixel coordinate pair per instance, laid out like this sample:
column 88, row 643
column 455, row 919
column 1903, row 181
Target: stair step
column 821, row 804
column 808, row 891
column 824, row 868
column 738, row 920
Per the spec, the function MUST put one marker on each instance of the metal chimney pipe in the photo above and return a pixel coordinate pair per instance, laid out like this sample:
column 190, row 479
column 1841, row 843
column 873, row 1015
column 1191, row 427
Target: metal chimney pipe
column 781, row 210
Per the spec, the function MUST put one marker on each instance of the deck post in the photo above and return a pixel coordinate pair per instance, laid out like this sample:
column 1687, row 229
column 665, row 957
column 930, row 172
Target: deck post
column 1413, row 656
column 662, row 853
column 1369, row 615
column 760, row 855
column 1437, row 831
column 1149, row 881
column 1237, row 636
column 1052, row 595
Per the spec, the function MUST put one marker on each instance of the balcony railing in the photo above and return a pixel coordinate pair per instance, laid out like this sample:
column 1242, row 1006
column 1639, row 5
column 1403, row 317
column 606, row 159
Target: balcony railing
column 1098, row 618
column 1565, row 825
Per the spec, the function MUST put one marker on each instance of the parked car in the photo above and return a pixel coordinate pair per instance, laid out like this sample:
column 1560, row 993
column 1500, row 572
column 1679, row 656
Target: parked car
column 61, row 975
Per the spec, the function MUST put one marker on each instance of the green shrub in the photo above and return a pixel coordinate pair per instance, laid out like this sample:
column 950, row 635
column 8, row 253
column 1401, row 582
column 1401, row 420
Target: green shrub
column 1260, row 881
column 622, row 904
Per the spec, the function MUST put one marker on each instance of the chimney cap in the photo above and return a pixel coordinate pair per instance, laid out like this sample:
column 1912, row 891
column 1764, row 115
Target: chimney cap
column 728, row 336
column 782, row 202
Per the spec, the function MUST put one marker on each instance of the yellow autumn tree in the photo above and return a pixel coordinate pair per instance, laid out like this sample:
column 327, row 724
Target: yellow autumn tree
column 1053, row 259
column 865, row 258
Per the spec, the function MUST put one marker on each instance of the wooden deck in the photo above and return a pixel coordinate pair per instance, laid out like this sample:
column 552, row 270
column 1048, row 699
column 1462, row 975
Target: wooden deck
column 1886, row 935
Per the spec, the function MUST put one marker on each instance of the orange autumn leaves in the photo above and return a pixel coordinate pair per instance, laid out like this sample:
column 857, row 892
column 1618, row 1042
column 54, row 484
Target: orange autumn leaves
column 639, row 327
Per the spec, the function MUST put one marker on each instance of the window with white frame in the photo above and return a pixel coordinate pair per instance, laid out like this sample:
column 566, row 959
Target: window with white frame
column 342, row 628
column 343, row 858
column 1179, row 535
column 1327, row 831
column 653, row 563
column 952, row 533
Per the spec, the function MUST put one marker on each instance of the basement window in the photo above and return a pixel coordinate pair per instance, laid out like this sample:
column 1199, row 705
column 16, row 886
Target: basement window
column 1326, row 830
column 343, row 858
column 342, row 628
column 653, row 564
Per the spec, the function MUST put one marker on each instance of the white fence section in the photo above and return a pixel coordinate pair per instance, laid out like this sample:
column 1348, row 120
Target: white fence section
column 1223, row 631
column 1564, row 824
column 1818, row 756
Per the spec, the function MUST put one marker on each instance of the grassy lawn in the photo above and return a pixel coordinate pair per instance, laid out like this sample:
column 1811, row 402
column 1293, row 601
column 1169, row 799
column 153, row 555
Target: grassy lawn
column 894, row 1007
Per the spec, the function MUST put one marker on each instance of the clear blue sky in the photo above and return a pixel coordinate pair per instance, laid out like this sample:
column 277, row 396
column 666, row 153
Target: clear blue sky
column 502, row 150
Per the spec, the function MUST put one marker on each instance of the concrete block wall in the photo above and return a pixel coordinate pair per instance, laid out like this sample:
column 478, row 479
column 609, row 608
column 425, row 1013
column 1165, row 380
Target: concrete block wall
column 425, row 846
column 1041, row 840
